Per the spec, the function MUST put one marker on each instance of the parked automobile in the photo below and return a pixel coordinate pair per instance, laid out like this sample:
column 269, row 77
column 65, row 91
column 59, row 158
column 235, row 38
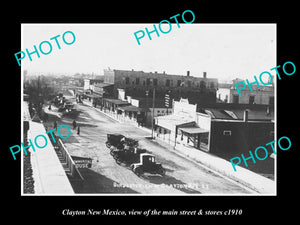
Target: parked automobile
column 114, row 140
column 147, row 164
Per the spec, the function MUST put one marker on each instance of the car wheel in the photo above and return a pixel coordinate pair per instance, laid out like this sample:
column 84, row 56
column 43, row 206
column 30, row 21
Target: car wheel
column 138, row 171
column 108, row 144
column 162, row 172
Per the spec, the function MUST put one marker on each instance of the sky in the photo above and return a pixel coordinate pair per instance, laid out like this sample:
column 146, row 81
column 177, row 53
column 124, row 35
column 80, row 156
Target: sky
column 224, row 51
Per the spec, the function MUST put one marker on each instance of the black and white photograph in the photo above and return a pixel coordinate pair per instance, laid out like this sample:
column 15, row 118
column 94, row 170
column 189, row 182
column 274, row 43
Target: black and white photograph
column 131, row 114
column 170, row 115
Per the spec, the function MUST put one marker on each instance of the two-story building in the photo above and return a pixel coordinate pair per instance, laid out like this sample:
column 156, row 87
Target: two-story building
column 139, row 83
column 264, row 95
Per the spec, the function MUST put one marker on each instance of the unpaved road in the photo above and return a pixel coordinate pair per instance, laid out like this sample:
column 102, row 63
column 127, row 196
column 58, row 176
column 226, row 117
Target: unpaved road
column 106, row 176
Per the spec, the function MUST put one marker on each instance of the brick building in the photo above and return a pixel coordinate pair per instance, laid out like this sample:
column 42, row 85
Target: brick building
column 136, row 83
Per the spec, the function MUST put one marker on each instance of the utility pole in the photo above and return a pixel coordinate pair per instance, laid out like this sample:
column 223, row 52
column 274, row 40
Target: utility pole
column 153, row 105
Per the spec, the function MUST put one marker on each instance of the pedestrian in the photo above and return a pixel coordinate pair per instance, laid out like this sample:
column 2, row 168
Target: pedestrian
column 78, row 129
column 55, row 124
column 74, row 124
column 49, row 107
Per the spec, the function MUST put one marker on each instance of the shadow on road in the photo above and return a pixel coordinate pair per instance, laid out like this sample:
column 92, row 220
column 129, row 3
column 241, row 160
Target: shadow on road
column 96, row 183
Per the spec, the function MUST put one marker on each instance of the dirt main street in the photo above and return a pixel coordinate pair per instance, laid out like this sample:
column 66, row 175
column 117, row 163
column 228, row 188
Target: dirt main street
column 106, row 176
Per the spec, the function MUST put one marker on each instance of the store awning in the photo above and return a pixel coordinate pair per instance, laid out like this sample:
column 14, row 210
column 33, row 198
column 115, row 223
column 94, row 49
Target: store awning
column 193, row 130
column 116, row 101
column 132, row 108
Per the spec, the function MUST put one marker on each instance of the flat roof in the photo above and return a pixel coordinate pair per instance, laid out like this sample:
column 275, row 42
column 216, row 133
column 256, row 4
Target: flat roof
column 171, row 121
column 238, row 114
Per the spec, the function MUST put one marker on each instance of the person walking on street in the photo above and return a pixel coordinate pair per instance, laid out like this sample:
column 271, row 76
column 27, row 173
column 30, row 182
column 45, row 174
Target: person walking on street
column 78, row 130
column 55, row 124
column 74, row 124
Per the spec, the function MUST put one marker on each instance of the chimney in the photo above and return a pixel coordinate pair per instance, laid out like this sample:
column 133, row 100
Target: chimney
column 204, row 74
column 246, row 115
column 187, row 73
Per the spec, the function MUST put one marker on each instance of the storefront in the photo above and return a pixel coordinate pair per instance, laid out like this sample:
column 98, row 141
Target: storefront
column 194, row 136
column 133, row 113
column 113, row 104
column 182, row 127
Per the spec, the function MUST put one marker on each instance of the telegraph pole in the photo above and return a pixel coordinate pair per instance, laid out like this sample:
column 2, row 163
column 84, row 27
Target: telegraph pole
column 153, row 105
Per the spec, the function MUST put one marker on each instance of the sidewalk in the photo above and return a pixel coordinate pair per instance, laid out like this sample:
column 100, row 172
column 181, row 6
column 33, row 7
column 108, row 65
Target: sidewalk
column 48, row 173
column 244, row 176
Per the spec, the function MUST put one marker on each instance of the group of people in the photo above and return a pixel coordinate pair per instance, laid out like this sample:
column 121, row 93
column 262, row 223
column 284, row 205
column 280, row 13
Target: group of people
column 74, row 126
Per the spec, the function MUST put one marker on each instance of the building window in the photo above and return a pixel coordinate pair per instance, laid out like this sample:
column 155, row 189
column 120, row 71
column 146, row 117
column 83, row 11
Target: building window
column 202, row 85
column 178, row 83
column 148, row 81
column 251, row 99
column 189, row 83
column 137, row 80
column 227, row 132
column 235, row 99
column 155, row 82
column 212, row 85
column 168, row 83
column 126, row 80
